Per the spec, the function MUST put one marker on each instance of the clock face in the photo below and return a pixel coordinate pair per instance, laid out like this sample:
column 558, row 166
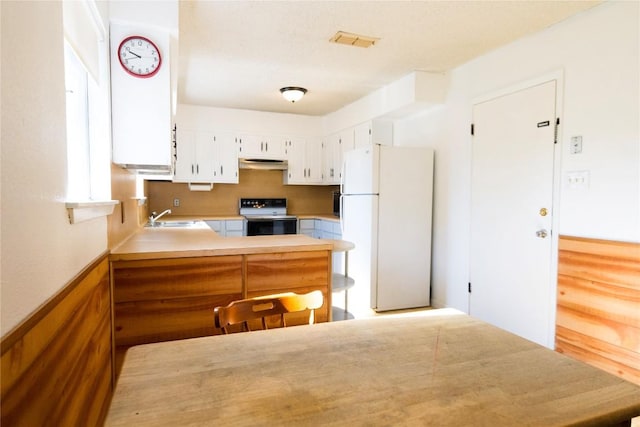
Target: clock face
column 139, row 56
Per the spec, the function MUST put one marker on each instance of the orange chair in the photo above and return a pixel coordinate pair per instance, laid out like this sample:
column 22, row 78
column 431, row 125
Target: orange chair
column 243, row 311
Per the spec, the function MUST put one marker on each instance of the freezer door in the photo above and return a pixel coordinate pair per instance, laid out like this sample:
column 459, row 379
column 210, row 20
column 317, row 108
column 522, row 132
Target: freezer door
column 360, row 173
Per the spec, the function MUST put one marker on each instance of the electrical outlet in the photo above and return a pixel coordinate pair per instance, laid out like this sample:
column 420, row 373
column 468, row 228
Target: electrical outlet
column 176, row 203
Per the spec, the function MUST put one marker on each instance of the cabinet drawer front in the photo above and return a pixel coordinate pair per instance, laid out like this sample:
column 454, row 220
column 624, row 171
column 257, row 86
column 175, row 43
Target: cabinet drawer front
column 234, row 225
column 176, row 278
column 287, row 271
column 307, row 224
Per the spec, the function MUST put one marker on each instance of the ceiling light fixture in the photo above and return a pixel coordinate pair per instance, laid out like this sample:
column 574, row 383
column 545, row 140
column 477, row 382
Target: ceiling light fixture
column 292, row 93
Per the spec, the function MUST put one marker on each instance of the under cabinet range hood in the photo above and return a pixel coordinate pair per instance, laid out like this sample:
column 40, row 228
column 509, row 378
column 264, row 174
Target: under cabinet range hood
column 262, row 164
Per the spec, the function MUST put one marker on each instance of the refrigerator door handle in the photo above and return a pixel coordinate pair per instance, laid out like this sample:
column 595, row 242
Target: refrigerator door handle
column 343, row 178
column 341, row 214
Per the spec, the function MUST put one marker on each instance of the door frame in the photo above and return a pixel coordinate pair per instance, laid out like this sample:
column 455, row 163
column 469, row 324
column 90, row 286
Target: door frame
column 558, row 76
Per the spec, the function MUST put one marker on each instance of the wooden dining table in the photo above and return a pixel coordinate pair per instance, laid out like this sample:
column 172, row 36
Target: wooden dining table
column 436, row 368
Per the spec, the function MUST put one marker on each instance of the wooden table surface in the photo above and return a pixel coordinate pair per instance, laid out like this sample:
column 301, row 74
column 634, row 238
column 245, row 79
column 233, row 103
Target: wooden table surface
column 441, row 368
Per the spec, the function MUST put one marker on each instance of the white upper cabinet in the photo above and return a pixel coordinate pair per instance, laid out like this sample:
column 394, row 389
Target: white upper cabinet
column 140, row 107
column 373, row 132
column 194, row 156
column 225, row 161
column 334, row 146
column 305, row 161
column 260, row 147
column 205, row 156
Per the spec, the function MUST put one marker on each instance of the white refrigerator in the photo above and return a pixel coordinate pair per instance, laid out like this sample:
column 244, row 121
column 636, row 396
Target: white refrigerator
column 386, row 210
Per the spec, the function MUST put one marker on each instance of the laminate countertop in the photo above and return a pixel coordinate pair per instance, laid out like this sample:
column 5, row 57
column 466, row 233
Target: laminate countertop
column 161, row 242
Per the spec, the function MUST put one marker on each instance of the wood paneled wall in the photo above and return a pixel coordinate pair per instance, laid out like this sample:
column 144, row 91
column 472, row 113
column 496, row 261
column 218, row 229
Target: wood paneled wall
column 598, row 316
column 57, row 365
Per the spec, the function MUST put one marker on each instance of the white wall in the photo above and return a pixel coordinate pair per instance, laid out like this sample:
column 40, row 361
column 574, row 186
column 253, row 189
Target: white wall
column 40, row 250
column 247, row 121
column 598, row 52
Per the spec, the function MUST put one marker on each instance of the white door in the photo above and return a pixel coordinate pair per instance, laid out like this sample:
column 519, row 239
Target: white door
column 511, row 209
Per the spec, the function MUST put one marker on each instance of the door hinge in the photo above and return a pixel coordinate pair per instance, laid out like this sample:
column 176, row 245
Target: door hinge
column 469, row 288
column 472, row 129
column 555, row 131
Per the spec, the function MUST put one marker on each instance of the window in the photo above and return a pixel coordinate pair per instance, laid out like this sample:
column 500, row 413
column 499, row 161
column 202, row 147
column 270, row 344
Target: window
column 78, row 137
column 87, row 113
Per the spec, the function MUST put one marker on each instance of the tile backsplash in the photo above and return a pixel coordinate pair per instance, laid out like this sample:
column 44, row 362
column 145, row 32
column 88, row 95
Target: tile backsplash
column 223, row 198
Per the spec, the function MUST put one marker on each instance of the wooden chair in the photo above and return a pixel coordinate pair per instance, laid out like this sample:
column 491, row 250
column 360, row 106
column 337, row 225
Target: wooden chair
column 243, row 311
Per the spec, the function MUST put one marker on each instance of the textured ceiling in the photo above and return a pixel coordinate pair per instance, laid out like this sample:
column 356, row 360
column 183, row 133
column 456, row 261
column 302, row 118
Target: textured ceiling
column 238, row 54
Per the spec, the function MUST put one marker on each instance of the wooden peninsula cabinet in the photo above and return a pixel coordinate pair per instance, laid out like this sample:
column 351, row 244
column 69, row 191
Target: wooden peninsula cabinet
column 169, row 294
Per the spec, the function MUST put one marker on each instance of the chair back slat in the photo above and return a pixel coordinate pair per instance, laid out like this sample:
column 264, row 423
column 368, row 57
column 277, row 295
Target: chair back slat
column 246, row 310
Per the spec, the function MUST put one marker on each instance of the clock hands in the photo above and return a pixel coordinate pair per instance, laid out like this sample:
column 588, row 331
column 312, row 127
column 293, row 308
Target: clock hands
column 133, row 53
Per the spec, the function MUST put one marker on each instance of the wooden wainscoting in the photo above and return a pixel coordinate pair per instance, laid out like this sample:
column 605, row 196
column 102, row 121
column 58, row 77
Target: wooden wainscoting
column 57, row 365
column 598, row 315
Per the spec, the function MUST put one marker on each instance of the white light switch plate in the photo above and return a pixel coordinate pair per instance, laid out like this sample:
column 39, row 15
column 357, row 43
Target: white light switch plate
column 577, row 179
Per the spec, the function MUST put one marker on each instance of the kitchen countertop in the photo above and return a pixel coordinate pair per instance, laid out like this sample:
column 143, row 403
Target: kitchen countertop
column 155, row 243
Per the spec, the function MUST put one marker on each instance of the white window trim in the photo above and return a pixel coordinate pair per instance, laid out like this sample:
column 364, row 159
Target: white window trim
column 85, row 211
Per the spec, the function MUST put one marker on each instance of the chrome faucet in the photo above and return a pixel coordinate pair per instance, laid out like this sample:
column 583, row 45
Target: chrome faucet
column 154, row 216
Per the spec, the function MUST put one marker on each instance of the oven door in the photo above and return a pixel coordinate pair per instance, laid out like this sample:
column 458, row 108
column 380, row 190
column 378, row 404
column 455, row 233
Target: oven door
column 271, row 226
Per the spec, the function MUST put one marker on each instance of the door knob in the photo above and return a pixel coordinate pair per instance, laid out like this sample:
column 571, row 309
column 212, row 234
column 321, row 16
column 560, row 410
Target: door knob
column 543, row 211
column 541, row 233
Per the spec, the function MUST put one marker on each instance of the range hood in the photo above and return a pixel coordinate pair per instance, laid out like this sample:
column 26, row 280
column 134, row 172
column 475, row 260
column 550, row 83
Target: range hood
column 262, row 164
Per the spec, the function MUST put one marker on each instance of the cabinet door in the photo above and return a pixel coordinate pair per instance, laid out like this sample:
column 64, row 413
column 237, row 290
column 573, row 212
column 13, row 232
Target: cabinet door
column 204, row 157
column 362, row 135
column 250, row 146
column 295, row 153
column 185, row 155
column 305, row 162
column 346, row 144
column 373, row 132
column 234, row 227
column 226, row 159
column 331, row 149
column 313, row 161
column 260, row 147
column 194, row 156
column 274, row 147
column 335, row 147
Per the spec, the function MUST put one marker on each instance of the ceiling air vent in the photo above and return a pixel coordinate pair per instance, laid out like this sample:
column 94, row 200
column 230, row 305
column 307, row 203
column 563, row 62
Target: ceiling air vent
column 353, row 39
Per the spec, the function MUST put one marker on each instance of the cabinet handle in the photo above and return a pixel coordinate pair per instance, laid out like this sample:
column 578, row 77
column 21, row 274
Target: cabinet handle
column 221, row 170
column 262, row 146
column 192, row 168
column 198, row 169
column 266, row 146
